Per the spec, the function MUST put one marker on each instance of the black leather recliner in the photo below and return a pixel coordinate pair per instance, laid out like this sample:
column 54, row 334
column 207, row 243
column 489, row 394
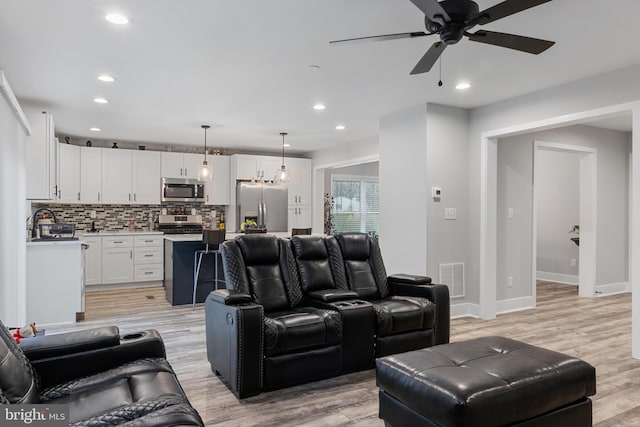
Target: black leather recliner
column 411, row 313
column 260, row 334
column 104, row 378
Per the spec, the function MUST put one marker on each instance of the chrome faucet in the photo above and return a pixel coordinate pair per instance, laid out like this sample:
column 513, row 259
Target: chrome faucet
column 35, row 222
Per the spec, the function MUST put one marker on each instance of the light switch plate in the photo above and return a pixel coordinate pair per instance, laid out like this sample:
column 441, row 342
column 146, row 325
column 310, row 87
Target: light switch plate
column 450, row 213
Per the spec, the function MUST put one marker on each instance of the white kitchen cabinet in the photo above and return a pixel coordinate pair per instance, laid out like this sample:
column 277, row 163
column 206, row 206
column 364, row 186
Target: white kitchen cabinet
column 116, row 176
column 148, row 258
column 181, row 165
column 54, row 282
column 217, row 190
column 90, row 175
column 299, row 181
column 252, row 167
column 68, row 173
column 93, row 260
column 299, row 217
column 41, row 150
column 117, row 259
column 146, row 177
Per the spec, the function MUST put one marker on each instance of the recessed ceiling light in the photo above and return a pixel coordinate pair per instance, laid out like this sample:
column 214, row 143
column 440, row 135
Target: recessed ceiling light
column 116, row 18
column 463, row 85
column 101, row 100
column 314, row 67
column 106, row 78
column 286, row 145
column 319, row 107
column 341, row 127
column 95, row 129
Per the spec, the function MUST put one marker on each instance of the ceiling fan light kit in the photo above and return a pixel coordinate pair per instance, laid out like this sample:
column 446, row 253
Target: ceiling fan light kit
column 453, row 19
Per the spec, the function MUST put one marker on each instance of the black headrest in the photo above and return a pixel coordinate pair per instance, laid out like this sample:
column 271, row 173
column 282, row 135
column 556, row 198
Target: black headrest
column 354, row 246
column 309, row 247
column 259, row 249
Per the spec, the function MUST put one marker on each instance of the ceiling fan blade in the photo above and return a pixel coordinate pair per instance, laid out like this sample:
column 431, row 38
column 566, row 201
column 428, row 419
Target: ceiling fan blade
column 432, row 9
column 426, row 62
column 504, row 9
column 512, row 41
column 383, row 37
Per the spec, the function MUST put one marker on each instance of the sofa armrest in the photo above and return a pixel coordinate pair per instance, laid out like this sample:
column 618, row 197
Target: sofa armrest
column 437, row 294
column 331, row 295
column 409, row 279
column 235, row 344
column 57, row 368
column 230, row 297
column 46, row 346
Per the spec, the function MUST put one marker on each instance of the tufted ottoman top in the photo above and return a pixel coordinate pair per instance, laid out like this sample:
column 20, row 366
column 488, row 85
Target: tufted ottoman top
column 485, row 381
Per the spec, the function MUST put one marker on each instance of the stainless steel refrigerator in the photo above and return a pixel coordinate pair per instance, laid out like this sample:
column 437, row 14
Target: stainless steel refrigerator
column 265, row 203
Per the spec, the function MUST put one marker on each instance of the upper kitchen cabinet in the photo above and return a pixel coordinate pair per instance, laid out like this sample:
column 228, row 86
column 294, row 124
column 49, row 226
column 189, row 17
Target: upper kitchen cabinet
column 116, row 176
column 217, row 190
column 251, row 167
column 90, row 175
column 146, row 177
column 299, row 181
column 181, row 165
column 68, row 173
column 41, row 148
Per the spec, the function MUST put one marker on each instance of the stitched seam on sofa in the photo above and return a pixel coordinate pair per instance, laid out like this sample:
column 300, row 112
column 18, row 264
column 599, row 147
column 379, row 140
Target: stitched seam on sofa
column 131, row 412
column 260, row 347
column 36, row 351
column 293, row 287
column 184, row 408
column 239, row 362
column 377, row 266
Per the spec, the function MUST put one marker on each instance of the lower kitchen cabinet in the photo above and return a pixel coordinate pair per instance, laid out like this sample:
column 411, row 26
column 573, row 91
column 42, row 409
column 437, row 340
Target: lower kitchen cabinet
column 299, row 217
column 123, row 259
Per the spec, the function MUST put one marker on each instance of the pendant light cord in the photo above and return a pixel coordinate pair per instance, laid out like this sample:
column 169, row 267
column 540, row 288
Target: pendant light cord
column 205, row 127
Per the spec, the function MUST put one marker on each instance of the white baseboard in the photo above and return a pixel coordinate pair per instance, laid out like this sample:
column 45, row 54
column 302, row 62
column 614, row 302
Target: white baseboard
column 465, row 309
column 569, row 279
column 128, row 285
column 515, row 304
column 612, row 289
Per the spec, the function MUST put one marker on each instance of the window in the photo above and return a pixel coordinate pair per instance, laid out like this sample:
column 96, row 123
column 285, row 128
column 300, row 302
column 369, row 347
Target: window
column 355, row 203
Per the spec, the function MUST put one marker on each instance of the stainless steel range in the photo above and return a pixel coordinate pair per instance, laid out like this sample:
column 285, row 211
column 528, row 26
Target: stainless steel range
column 180, row 224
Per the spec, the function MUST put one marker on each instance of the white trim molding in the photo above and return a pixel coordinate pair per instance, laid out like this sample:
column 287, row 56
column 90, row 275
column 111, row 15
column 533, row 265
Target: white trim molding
column 566, row 279
column 515, row 304
column 464, row 309
column 5, row 90
column 612, row 289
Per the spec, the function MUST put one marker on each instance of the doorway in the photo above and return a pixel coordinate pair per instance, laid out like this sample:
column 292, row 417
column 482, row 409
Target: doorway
column 570, row 172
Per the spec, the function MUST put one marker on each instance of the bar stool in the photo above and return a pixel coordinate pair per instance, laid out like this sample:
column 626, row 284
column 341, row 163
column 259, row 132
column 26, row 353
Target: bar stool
column 209, row 238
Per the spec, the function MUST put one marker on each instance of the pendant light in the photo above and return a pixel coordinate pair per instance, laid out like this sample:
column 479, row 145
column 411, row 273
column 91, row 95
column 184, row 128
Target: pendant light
column 282, row 175
column 205, row 169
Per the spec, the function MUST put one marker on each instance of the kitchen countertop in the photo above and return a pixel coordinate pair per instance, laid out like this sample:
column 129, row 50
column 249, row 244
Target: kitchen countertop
column 54, row 242
column 198, row 237
column 119, row 233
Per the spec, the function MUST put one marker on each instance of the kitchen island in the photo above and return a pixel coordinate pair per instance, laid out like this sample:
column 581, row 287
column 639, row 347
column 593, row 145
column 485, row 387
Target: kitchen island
column 179, row 250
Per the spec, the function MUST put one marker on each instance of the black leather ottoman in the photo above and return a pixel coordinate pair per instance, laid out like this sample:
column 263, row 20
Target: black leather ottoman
column 490, row 381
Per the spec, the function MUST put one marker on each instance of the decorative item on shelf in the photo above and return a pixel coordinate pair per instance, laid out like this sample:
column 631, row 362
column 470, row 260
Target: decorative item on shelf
column 575, row 230
column 89, row 143
column 142, row 147
column 205, row 169
column 282, row 175
column 66, row 139
column 328, row 215
column 115, row 145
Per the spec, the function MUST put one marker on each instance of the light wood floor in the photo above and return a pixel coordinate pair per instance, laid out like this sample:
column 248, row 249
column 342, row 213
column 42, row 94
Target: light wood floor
column 597, row 330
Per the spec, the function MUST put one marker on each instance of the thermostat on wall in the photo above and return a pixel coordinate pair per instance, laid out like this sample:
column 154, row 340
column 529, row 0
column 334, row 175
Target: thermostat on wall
column 436, row 193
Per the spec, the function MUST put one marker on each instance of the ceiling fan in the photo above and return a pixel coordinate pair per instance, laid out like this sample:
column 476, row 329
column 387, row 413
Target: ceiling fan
column 452, row 19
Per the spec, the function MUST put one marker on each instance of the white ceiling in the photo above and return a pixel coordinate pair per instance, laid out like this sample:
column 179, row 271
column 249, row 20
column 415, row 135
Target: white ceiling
column 243, row 65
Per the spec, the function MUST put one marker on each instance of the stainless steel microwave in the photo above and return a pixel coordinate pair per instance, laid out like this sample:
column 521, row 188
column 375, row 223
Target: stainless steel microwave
column 182, row 190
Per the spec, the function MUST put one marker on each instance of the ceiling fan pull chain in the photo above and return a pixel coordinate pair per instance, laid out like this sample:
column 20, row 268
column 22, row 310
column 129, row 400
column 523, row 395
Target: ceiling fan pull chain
column 440, row 81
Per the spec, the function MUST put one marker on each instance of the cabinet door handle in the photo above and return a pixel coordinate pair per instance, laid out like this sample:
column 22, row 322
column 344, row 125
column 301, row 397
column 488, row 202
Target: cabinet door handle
column 131, row 253
column 135, row 197
column 98, row 196
column 186, row 172
column 207, row 198
column 180, row 171
column 148, row 255
column 148, row 241
column 78, row 196
column 115, row 242
column 129, row 196
column 148, row 272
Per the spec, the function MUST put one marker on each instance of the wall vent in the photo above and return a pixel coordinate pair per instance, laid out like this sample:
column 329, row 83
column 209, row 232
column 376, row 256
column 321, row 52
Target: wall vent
column 452, row 275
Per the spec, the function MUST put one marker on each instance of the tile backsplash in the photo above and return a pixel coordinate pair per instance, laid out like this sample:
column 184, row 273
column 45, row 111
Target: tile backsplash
column 117, row 217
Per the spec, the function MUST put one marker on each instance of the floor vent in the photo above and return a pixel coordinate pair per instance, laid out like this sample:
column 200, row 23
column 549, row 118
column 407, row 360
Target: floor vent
column 452, row 275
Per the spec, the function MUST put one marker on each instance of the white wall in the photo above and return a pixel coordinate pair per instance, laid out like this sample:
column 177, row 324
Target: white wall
column 515, row 189
column 12, row 210
column 558, row 210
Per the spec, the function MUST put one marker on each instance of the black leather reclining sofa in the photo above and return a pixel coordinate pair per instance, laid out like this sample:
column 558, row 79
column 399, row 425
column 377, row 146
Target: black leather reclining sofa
column 311, row 307
column 105, row 379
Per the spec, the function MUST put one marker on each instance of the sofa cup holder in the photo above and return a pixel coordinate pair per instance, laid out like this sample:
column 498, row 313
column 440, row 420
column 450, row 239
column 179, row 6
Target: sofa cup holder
column 133, row 336
column 350, row 303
